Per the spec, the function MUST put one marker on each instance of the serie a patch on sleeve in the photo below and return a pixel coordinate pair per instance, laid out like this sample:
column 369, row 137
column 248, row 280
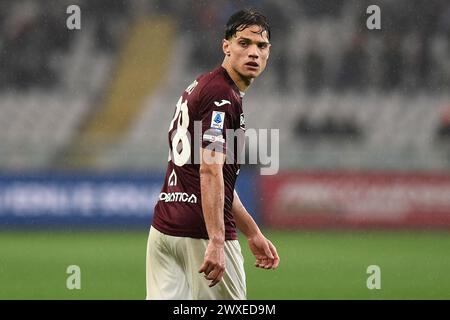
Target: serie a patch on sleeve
column 217, row 120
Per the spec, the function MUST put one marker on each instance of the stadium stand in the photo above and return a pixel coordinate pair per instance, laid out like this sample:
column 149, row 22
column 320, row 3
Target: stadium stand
column 342, row 98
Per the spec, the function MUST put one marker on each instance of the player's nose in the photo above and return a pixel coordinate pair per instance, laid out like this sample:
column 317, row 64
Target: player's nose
column 253, row 52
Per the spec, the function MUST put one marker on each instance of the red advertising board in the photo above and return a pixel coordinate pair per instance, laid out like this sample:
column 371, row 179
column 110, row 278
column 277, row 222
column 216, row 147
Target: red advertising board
column 355, row 199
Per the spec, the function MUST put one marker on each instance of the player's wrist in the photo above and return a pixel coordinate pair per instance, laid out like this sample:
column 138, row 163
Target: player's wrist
column 217, row 240
column 253, row 233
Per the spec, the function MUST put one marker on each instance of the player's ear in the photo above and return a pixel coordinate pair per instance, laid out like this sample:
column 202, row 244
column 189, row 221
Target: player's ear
column 226, row 47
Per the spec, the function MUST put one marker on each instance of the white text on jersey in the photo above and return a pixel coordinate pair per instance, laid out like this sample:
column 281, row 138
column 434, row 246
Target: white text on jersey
column 177, row 197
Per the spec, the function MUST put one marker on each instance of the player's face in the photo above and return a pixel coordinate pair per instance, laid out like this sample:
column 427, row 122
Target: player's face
column 248, row 51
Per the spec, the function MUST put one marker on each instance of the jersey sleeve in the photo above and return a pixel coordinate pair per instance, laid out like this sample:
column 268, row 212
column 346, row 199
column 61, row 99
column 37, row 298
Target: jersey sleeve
column 216, row 115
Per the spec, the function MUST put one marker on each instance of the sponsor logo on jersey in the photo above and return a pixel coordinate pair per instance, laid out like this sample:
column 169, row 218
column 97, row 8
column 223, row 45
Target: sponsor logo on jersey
column 217, row 120
column 221, row 103
column 172, row 179
column 177, row 197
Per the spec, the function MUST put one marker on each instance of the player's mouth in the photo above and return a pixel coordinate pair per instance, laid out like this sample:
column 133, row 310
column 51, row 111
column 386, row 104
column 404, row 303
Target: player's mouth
column 252, row 65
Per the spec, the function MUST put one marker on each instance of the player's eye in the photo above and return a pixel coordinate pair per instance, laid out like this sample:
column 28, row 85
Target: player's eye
column 263, row 45
column 243, row 43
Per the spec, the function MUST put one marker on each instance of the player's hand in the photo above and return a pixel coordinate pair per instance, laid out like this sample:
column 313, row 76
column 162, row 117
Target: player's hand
column 264, row 251
column 214, row 263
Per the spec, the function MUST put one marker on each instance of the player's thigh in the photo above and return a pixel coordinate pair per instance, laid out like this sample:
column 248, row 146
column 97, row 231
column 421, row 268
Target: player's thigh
column 231, row 287
column 165, row 278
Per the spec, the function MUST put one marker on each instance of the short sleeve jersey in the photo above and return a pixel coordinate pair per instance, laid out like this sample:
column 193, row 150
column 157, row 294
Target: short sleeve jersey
column 208, row 115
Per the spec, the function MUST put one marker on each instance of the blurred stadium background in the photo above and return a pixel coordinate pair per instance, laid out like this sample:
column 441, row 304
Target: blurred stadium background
column 364, row 119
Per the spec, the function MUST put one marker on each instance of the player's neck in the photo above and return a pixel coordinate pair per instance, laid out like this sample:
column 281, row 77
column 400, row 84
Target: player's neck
column 241, row 83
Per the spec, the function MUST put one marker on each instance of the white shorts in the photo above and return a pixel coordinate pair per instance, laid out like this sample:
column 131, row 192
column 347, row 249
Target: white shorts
column 173, row 264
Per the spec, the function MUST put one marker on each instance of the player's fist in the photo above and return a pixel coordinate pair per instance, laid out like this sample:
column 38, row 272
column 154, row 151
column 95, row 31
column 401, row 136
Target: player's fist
column 214, row 263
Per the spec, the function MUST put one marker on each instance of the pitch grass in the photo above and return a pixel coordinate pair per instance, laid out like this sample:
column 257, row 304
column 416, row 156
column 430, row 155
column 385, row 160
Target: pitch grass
column 314, row 265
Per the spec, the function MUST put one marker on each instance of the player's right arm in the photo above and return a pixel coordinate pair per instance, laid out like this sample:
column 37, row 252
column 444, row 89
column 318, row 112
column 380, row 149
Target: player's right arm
column 213, row 195
column 216, row 118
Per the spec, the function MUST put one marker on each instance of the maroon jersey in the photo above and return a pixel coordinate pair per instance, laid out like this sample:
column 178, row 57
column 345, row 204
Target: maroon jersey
column 215, row 100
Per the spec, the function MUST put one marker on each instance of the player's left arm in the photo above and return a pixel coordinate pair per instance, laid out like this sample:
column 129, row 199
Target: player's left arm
column 264, row 251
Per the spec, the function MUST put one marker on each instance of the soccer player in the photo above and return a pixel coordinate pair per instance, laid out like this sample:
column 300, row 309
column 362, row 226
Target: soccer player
column 192, row 250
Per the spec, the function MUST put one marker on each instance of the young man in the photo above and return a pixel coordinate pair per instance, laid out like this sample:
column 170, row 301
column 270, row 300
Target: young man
column 192, row 250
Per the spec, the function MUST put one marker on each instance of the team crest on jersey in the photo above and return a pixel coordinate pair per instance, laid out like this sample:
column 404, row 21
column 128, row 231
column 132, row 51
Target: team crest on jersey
column 217, row 120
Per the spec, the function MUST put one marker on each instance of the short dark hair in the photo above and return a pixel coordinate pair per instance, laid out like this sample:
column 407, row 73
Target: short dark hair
column 244, row 19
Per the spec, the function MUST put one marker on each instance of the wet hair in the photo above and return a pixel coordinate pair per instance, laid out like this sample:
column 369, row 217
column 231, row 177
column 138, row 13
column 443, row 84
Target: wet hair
column 244, row 19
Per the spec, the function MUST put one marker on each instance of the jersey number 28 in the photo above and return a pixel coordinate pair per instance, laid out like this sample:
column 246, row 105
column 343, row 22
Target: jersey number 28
column 181, row 117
